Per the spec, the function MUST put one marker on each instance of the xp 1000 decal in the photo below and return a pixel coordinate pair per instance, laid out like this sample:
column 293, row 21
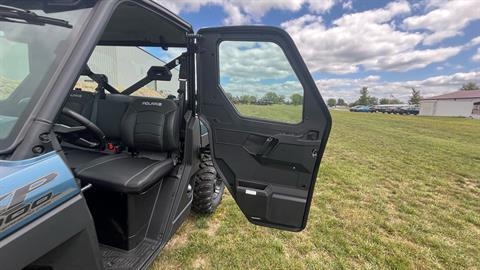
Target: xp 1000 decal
column 31, row 188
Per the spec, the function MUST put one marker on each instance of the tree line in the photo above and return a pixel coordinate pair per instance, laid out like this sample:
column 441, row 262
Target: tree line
column 267, row 99
column 367, row 100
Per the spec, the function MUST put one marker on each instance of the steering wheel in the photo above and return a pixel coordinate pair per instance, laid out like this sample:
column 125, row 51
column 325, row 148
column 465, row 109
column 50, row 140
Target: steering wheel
column 71, row 135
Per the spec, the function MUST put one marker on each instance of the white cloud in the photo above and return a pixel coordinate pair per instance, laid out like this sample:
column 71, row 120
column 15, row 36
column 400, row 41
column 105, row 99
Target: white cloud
column 474, row 41
column 348, row 5
column 255, row 68
column 178, row 6
column 365, row 38
column 446, row 20
column 321, row 6
column 476, row 56
column 412, row 59
column 372, row 78
column 249, row 11
column 235, row 15
column 370, row 40
column 348, row 88
column 246, row 62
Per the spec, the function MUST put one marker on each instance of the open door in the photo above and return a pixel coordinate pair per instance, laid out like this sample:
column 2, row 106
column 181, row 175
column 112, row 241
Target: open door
column 268, row 123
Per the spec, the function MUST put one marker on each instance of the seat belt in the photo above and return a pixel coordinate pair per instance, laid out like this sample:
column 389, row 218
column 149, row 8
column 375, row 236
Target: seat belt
column 93, row 116
column 182, row 78
column 100, row 93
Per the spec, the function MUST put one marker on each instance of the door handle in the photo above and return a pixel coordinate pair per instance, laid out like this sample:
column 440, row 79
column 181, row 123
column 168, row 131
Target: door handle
column 267, row 146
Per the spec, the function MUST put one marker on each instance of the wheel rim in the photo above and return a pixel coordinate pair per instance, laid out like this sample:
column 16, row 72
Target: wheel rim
column 217, row 188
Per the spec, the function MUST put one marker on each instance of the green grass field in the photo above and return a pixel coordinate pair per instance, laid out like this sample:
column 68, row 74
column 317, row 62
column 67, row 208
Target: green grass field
column 394, row 192
column 6, row 87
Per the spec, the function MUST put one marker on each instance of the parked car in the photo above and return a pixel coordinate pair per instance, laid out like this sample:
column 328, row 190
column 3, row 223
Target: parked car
column 409, row 110
column 373, row 109
column 360, row 108
column 382, row 108
column 393, row 108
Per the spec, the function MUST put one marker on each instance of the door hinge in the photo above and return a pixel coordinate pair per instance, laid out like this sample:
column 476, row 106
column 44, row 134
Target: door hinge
column 192, row 41
column 193, row 36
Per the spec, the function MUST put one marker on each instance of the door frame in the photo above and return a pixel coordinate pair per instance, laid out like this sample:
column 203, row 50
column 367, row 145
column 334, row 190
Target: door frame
column 312, row 98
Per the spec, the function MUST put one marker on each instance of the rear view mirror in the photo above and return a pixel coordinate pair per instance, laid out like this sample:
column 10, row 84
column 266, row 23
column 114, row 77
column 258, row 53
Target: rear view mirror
column 157, row 73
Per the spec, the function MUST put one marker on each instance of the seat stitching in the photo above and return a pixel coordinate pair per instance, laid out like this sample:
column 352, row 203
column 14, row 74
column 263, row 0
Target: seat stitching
column 144, row 169
column 94, row 165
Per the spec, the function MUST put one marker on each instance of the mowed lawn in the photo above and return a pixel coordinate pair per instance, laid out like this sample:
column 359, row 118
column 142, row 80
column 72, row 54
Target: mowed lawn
column 394, row 192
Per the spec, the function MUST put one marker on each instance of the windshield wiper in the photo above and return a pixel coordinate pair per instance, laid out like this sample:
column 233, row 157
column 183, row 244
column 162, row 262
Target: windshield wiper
column 12, row 14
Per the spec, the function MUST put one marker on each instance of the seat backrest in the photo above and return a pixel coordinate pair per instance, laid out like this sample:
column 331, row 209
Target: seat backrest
column 109, row 114
column 151, row 124
column 80, row 102
column 105, row 111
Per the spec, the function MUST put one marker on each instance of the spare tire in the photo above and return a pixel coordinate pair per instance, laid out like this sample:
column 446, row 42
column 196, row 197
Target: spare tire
column 209, row 187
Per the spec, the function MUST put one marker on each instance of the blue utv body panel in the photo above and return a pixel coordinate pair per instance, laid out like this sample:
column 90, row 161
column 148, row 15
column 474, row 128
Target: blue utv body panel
column 30, row 188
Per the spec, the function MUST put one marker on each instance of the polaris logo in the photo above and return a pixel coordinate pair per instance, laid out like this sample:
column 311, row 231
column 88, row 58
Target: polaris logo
column 76, row 95
column 151, row 103
column 13, row 206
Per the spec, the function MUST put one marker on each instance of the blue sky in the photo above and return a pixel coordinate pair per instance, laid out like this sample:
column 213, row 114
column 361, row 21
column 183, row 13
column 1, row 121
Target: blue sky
column 388, row 46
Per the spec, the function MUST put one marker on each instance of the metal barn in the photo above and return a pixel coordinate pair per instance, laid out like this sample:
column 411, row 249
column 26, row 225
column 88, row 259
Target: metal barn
column 460, row 103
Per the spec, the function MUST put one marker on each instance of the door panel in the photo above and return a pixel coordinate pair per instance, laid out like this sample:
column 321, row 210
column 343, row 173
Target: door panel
column 269, row 163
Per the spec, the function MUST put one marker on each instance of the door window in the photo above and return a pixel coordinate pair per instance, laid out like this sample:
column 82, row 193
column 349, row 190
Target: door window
column 258, row 80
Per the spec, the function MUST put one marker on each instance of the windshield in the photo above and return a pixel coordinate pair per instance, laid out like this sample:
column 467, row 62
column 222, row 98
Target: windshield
column 30, row 48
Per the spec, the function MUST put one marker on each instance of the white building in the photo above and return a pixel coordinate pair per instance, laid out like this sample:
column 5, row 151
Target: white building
column 460, row 103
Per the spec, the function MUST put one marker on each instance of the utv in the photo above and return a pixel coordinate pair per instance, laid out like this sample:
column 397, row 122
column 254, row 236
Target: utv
column 102, row 178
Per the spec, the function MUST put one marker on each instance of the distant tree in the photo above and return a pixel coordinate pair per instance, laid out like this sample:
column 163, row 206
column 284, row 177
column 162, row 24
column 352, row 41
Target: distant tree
column 296, row 99
column 270, row 97
column 244, row 99
column 280, row 100
column 363, row 99
column 331, row 102
column 341, row 102
column 469, row 86
column 236, row 100
column 395, row 101
column 372, row 101
column 415, row 97
column 384, row 101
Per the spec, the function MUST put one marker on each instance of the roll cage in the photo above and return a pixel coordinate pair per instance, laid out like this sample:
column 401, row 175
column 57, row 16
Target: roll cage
column 155, row 73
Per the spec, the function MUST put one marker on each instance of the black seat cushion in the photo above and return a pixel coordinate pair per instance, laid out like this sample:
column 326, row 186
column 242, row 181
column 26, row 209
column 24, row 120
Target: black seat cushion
column 124, row 173
column 77, row 157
